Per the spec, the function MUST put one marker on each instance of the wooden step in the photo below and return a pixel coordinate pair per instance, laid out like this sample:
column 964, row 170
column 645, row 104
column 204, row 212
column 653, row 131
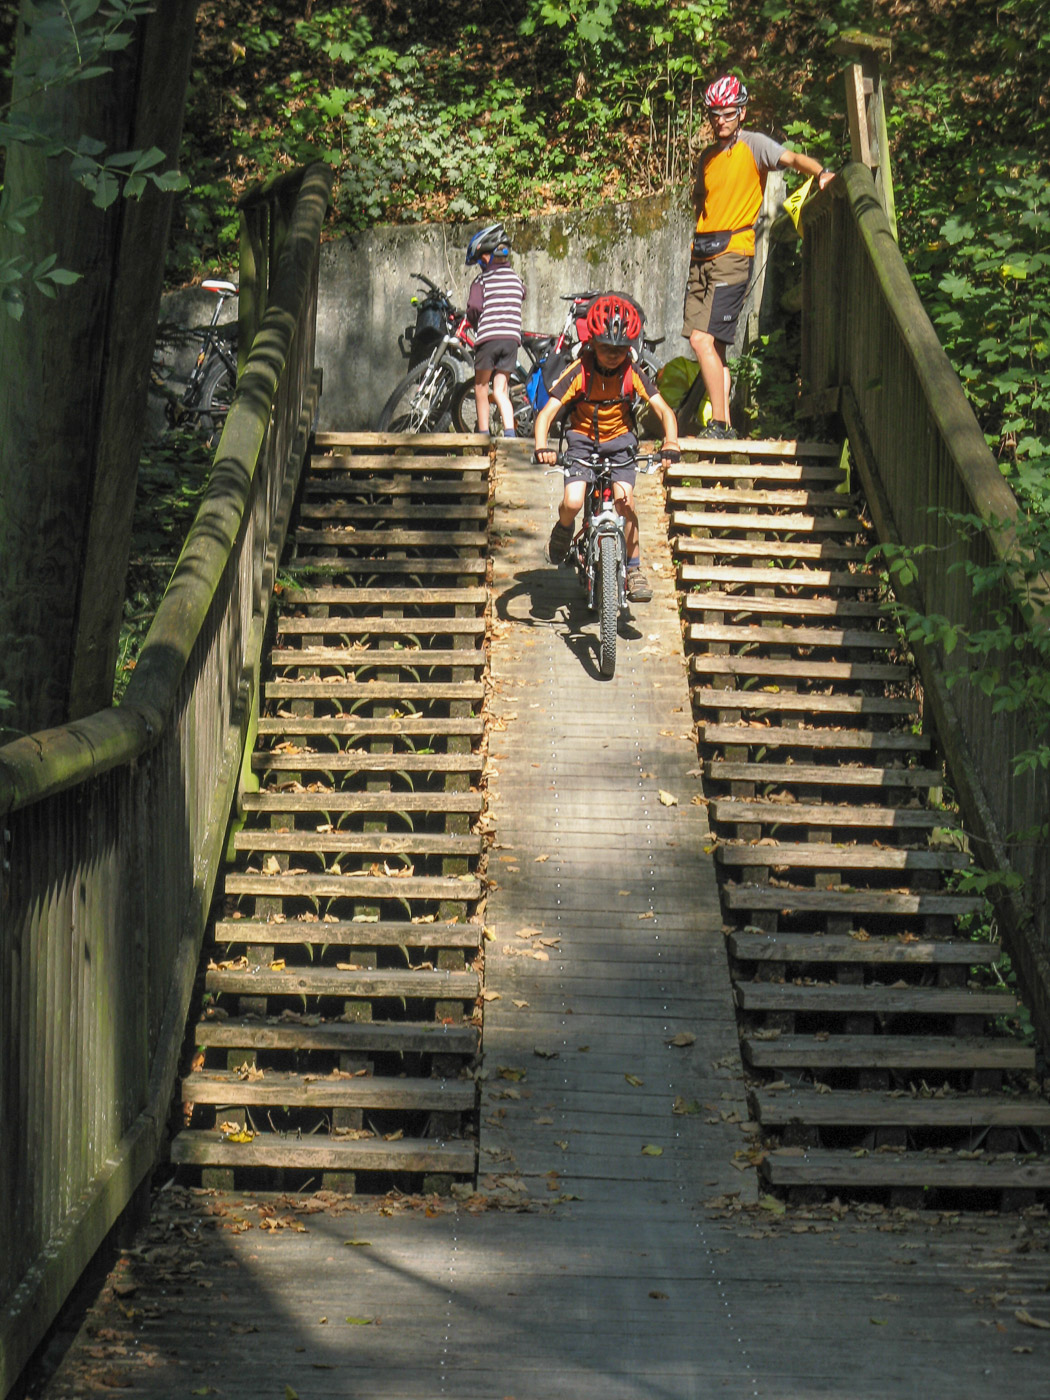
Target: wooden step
column 728, row 547
column 414, row 567
column 759, row 448
column 811, row 737
column 392, row 510
column 710, row 600
column 385, row 597
column 355, row 885
column 775, row 524
column 387, row 802
column 778, row 636
column 280, row 1089
column 864, row 1108
column 333, row 482
column 212, row 1149
column 417, row 985
column 801, row 702
column 872, row 1000
column 393, row 539
column 826, row 948
column 907, row 1053
column 920, row 904
column 354, row 659
column 774, row 577
column 846, row 1171
column 827, row 816
column 369, row 843
column 825, row 774
column 705, row 663
column 343, row 1037
column 426, row 455
column 380, row 933
column 380, row 626
column 336, row 689
column 355, row 762
column 756, row 471
column 828, row 855
column 292, row 726
column 781, row 498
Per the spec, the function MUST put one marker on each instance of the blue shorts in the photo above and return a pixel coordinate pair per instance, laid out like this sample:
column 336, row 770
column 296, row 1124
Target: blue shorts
column 620, row 452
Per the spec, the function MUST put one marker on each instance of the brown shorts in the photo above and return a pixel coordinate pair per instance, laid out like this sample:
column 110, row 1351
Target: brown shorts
column 714, row 295
column 499, row 356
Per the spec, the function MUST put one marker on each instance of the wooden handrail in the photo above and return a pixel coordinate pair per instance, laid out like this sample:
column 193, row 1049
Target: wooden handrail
column 113, row 827
column 871, row 354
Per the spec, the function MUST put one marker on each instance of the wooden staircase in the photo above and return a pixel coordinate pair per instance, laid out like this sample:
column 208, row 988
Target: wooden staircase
column 882, row 1048
column 340, row 1024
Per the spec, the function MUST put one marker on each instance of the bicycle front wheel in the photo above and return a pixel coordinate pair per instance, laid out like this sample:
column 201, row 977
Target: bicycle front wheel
column 421, row 402
column 608, row 604
column 465, row 410
column 216, row 397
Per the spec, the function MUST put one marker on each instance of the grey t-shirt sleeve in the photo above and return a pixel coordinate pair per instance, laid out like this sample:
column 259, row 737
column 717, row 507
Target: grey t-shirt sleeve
column 765, row 150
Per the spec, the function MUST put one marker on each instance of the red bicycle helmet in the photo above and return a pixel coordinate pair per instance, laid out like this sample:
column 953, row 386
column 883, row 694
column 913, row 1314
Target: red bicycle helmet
column 613, row 320
column 726, row 92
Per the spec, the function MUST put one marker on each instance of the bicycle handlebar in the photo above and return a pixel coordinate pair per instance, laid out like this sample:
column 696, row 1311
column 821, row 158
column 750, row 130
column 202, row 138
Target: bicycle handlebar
column 645, row 464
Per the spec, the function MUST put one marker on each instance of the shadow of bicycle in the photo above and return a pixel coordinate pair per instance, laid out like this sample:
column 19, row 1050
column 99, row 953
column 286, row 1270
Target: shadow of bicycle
column 549, row 597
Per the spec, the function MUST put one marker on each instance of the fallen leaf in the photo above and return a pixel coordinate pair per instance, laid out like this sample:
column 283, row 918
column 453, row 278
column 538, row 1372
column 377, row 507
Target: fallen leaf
column 360, row 1321
column 634, row 1080
column 683, row 1106
column 540, row 859
column 668, row 799
column 655, row 1293
column 1029, row 1321
column 683, row 1038
column 650, row 1151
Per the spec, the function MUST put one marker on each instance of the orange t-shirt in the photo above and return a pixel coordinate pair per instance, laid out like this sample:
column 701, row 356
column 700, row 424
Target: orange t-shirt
column 731, row 182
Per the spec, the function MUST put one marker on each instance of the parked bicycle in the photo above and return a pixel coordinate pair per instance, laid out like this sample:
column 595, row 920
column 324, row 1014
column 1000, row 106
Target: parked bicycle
column 205, row 400
column 439, row 348
column 599, row 552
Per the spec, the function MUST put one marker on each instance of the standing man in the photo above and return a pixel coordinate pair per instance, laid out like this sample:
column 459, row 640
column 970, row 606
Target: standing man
column 727, row 195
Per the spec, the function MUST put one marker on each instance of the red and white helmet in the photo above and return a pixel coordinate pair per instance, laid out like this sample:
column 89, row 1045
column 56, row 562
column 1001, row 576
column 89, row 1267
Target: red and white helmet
column 613, row 320
column 726, row 92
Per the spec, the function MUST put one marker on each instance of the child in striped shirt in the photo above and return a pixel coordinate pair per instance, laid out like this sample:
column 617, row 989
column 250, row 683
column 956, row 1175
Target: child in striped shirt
column 494, row 310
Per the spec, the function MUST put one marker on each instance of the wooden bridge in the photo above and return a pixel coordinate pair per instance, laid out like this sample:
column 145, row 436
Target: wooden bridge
column 634, row 1031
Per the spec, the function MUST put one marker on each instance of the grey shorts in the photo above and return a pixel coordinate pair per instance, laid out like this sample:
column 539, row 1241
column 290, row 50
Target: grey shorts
column 621, row 453
column 714, row 295
column 497, row 356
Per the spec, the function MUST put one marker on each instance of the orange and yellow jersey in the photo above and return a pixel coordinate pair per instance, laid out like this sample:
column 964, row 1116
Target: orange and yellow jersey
column 601, row 406
column 730, row 183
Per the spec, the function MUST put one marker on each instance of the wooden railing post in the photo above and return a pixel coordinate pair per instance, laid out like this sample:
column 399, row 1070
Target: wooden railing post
column 866, row 105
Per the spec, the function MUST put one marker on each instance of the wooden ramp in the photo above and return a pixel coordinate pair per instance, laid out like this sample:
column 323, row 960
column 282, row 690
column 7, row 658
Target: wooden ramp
column 883, row 1049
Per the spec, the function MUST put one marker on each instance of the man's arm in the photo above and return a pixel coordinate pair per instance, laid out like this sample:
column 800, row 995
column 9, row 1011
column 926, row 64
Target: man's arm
column 806, row 165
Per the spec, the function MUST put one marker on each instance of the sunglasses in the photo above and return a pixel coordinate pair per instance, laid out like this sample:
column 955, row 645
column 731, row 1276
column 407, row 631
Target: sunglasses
column 724, row 114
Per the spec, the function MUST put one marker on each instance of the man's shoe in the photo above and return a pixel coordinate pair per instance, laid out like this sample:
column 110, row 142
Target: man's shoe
column 558, row 544
column 638, row 590
column 716, row 430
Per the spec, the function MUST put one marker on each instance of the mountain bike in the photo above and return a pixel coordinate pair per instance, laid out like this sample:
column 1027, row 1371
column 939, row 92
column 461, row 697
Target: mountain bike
column 205, row 401
column 439, row 347
column 599, row 552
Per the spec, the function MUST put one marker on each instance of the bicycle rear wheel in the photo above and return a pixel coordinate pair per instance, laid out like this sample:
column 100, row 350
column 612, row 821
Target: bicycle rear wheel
column 608, row 604
column 465, row 410
column 216, row 397
column 418, row 407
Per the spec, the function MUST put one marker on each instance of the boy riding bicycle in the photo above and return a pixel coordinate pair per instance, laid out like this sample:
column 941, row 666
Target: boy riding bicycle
column 600, row 389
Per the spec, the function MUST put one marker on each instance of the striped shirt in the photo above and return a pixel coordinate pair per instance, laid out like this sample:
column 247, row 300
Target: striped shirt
column 494, row 304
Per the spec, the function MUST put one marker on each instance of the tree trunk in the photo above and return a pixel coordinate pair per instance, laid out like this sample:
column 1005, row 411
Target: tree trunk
column 76, row 372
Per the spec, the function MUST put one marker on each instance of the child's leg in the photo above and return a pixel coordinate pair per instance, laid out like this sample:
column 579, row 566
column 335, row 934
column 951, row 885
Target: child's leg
column 500, row 393
column 624, row 496
column 481, row 397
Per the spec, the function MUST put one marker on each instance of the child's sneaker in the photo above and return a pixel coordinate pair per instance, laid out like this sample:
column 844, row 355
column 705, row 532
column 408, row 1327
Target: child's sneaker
column 558, row 544
column 638, row 590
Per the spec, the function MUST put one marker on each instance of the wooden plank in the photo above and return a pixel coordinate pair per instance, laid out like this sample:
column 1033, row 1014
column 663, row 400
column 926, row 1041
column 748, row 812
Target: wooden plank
column 426, row 448
column 393, row 802
column 392, row 510
column 709, row 600
column 376, row 597
column 354, row 762
column 385, row 933
column 324, row 1154
column 820, row 672
column 779, row 499
column 901, row 1052
column 335, row 982
column 381, row 626
column 355, row 885
column 378, row 843
column 755, row 634
column 828, row 815
column 854, row 1109
column 818, row 947
column 393, row 538
column 778, row 524
column 350, row 1037
column 801, row 701
column 276, row 1089
column 873, row 1000
column 773, row 576
column 336, row 689
column 357, row 726
column 850, row 901
column 825, row 774
column 333, row 482
column 827, row 855
column 776, row 448
column 352, row 659
column 811, row 736
column 758, row 470
column 842, row 1171
column 722, row 546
